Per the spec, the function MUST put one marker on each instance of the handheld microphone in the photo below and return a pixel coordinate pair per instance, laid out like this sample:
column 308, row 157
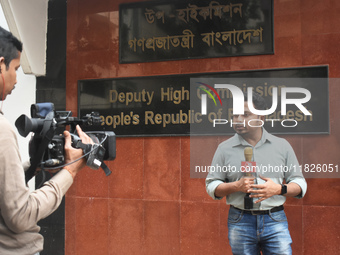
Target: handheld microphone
column 248, row 154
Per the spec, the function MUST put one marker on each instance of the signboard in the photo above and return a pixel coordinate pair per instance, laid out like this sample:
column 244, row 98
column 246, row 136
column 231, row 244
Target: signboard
column 172, row 105
column 186, row 29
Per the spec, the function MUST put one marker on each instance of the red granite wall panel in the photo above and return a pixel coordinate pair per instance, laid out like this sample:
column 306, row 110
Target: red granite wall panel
column 150, row 205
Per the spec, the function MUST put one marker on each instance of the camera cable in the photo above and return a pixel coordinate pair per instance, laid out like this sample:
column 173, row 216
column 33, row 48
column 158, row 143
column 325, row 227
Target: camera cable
column 53, row 161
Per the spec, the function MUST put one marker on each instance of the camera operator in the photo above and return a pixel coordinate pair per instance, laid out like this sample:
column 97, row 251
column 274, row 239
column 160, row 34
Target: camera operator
column 20, row 209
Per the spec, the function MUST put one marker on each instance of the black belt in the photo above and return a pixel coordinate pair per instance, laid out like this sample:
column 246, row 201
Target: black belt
column 261, row 212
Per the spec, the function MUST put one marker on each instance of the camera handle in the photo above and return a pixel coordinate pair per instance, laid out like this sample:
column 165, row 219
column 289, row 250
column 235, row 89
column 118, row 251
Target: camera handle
column 88, row 149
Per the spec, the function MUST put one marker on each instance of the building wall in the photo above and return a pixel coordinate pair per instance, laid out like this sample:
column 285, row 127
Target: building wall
column 149, row 205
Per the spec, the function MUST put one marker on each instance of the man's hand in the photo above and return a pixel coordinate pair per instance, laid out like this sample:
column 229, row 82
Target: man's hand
column 265, row 190
column 245, row 183
column 226, row 188
column 72, row 154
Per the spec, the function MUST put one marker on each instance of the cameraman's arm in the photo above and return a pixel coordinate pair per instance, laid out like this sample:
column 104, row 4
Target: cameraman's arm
column 20, row 208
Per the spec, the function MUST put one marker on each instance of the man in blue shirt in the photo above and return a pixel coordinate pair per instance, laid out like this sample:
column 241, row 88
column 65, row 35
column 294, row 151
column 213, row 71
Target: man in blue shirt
column 264, row 227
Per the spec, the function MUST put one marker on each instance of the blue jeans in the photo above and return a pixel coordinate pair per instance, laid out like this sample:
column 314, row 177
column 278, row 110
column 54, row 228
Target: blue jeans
column 249, row 234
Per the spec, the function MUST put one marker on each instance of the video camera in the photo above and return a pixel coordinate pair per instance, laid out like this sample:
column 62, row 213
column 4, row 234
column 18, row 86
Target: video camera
column 46, row 148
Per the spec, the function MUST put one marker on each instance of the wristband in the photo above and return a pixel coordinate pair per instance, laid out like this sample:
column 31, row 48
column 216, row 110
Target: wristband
column 283, row 189
column 72, row 174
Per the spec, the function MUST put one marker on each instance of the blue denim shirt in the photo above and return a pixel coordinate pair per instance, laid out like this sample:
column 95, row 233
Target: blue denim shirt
column 274, row 157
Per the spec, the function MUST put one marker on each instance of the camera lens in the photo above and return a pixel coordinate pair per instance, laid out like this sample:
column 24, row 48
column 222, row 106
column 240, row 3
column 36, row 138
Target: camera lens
column 26, row 125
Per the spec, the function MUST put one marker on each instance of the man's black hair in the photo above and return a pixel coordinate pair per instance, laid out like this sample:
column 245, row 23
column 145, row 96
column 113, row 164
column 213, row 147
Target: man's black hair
column 258, row 101
column 9, row 46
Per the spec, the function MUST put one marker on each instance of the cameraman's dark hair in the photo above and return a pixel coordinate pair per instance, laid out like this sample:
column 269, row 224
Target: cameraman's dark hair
column 9, row 46
column 258, row 101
